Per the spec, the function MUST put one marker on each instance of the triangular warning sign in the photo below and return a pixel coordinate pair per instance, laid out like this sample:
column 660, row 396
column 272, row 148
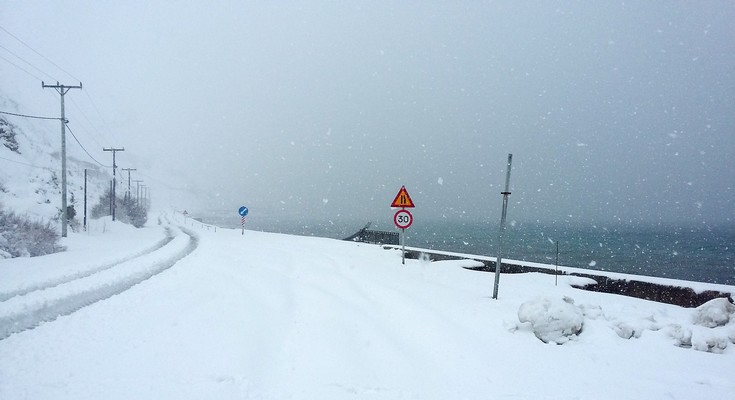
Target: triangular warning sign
column 402, row 199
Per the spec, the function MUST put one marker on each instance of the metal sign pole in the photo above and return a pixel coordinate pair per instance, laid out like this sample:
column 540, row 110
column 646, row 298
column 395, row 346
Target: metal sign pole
column 243, row 211
column 403, row 241
column 498, row 263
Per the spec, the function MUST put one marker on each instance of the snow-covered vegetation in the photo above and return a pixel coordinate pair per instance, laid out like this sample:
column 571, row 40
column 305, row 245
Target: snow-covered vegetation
column 21, row 236
column 30, row 187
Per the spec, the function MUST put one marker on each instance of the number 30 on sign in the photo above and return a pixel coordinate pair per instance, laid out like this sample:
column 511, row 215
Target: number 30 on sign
column 403, row 219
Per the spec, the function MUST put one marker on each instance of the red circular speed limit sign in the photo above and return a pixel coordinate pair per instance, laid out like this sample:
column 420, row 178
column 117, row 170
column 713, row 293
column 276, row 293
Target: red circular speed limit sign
column 403, row 219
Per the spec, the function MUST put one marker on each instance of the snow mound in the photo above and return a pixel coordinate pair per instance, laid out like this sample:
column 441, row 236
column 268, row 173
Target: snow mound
column 714, row 326
column 552, row 320
column 682, row 335
column 714, row 313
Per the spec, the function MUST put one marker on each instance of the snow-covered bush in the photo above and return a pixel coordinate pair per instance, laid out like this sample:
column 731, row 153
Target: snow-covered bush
column 21, row 237
column 553, row 320
column 128, row 210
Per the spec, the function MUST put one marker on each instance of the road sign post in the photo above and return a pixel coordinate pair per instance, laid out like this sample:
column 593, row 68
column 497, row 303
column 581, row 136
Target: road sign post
column 403, row 218
column 243, row 211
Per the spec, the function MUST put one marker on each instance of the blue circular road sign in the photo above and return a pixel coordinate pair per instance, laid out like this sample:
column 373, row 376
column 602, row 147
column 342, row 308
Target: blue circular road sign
column 243, row 211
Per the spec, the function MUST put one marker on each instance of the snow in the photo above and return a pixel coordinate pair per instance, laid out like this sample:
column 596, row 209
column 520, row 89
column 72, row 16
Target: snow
column 552, row 320
column 714, row 313
column 266, row 316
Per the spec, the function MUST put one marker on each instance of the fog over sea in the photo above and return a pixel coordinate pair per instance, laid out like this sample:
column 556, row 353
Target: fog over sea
column 695, row 253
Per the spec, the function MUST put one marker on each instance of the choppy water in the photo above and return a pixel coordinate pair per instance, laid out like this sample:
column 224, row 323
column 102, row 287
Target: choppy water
column 692, row 253
column 697, row 254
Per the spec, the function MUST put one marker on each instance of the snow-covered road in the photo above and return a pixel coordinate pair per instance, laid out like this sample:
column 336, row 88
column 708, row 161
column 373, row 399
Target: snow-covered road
column 59, row 295
column 268, row 316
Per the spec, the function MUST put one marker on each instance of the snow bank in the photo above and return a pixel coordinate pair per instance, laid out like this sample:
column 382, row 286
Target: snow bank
column 714, row 327
column 714, row 313
column 553, row 320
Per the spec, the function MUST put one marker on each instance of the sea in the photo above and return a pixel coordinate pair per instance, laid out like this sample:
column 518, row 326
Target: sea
column 693, row 253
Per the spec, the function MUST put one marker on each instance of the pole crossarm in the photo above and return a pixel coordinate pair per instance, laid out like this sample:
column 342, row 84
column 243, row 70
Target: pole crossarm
column 62, row 89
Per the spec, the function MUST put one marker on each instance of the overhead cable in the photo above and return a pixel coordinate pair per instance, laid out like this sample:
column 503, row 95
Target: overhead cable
column 34, row 50
column 85, row 150
column 27, row 116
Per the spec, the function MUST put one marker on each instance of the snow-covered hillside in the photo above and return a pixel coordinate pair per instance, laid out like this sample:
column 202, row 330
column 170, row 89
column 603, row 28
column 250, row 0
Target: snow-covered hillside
column 187, row 312
column 30, row 173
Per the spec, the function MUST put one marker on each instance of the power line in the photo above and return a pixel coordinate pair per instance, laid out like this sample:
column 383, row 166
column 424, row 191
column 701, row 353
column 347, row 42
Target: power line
column 85, row 150
column 22, row 163
column 104, row 122
column 27, row 62
column 89, row 121
column 28, row 116
column 86, row 92
column 42, row 56
column 20, row 68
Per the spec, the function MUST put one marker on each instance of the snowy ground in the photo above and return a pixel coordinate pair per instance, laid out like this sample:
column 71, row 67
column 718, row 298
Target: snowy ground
column 171, row 312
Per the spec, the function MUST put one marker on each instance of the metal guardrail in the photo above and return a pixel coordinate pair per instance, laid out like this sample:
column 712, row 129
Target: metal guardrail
column 366, row 235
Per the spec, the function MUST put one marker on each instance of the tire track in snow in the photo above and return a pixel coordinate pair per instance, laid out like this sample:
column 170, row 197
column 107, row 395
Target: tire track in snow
column 46, row 305
column 83, row 274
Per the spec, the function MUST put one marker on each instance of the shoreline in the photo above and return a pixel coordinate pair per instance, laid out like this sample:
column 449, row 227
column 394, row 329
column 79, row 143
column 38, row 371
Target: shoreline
column 679, row 292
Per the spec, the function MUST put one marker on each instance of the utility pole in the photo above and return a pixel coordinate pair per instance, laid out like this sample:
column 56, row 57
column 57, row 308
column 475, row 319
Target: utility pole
column 137, row 191
column 111, row 197
column 127, row 195
column 144, row 195
column 114, row 178
column 61, row 89
column 499, row 261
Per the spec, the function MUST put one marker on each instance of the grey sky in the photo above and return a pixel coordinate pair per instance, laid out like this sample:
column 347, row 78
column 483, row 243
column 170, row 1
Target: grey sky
column 614, row 111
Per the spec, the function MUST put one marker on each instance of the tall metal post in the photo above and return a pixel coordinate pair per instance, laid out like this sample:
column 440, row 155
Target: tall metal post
column 499, row 261
column 403, row 246
column 61, row 89
column 114, row 178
